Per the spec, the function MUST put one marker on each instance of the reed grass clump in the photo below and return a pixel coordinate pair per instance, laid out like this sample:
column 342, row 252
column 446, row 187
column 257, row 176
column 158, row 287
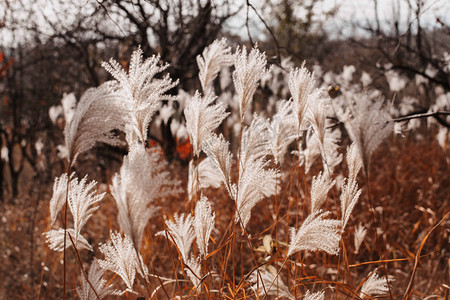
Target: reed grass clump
column 267, row 221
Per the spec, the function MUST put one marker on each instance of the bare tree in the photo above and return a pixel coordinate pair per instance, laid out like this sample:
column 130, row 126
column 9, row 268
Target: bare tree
column 66, row 43
column 411, row 45
column 298, row 27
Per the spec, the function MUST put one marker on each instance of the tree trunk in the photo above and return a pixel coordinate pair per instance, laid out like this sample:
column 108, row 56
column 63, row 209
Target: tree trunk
column 15, row 183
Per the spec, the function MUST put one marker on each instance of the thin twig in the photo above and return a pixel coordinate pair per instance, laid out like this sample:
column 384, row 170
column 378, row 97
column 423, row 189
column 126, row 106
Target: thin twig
column 417, row 259
column 81, row 266
column 100, row 3
column 424, row 115
column 385, row 261
column 412, row 116
column 272, row 35
column 247, row 26
column 65, row 231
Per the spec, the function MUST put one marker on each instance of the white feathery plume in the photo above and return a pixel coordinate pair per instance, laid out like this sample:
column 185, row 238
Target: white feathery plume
column 122, row 258
column 194, row 271
column 59, row 196
column 221, row 158
column 254, row 143
column 214, row 57
column 320, row 186
column 55, row 239
column 269, row 188
column 331, row 150
column 181, row 232
column 140, row 89
column 264, row 283
column 142, row 179
column 301, row 85
column 349, row 197
column 80, row 201
column 316, row 234
column 360, row 234
column 314, row 296
column 368, row 128
column 207, row 177
column 101, row 286
column 255, row 183
column 317, row 115
column 132, row 136
column 374, row 286
column 282, row 130
column 202, row 118
column 354, row 161
column 311, row 151
column 203, row 224
column 248, row 71
column 99, row 112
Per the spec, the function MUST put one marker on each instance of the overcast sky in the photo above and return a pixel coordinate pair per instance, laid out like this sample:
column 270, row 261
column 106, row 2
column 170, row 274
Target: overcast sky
column 358, row 11
column 350, row 12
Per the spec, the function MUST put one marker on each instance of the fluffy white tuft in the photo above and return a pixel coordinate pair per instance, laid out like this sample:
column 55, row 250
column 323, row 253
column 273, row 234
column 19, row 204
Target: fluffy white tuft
column 354, row 161
column 368, row 128
column 80, row 201
column 301, row 85
column 59, row 196
column 320, row 186
column 202, row 118
column 55, row 239
column 360, row 234
column 99, row 112
column 374, row 286
column 314, row 296
column 141, row 181
column 203, row 224
column 248, row 71
column 265, row 282
column 282, row 130
column 214, row 57
column 207, row 177
column 181, row 232
column 316, row 234
column 220, row 157
column 82, row 197
column 122, row 259
column 349, row 197
column 194, row 271
column 101, row 286
column 140, row 90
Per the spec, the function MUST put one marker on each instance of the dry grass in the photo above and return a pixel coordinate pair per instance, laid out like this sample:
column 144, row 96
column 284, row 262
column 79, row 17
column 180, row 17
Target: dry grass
column 410, row 191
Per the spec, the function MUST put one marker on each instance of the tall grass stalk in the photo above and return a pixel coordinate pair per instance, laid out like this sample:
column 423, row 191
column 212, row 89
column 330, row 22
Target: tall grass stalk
column 232, row 266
